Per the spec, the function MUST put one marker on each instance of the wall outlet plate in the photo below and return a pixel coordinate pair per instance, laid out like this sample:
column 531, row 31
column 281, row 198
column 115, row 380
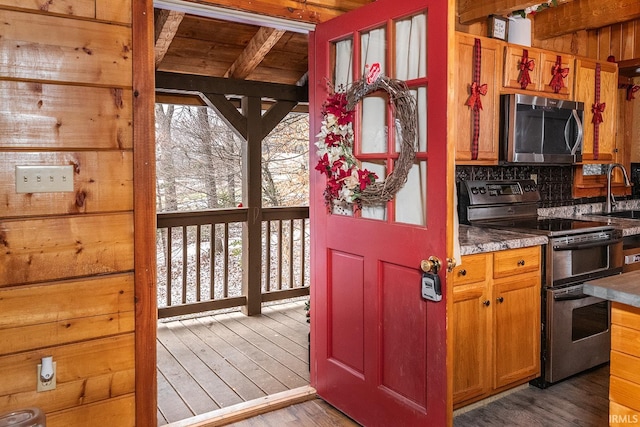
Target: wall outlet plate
column 44, row 179
column 46, row 385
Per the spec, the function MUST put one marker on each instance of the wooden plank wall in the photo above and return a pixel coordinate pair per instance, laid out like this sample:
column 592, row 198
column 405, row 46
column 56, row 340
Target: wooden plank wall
column 66, row 259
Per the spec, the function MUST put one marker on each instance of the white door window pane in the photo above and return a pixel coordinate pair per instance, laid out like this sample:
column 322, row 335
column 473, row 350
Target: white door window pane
column 373, row 49
column 343, row 73
column 411, row 199
column 374, row 125
column 411, row 48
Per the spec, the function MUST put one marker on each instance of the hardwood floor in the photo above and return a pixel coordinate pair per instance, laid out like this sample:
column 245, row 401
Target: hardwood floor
column 578, row 401
column 213, row 362
column 582, row 400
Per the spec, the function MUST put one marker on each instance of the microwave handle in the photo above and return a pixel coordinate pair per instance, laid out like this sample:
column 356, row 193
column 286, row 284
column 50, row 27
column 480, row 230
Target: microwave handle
column 578, row 142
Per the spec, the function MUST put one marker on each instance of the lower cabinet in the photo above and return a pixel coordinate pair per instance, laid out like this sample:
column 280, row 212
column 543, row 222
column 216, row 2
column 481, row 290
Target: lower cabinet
column 496, row 322
column 624, row 386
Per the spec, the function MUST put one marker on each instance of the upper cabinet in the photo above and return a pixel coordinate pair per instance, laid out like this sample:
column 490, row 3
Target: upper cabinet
column 599, row 143
column 483, row 120
column 534, row 70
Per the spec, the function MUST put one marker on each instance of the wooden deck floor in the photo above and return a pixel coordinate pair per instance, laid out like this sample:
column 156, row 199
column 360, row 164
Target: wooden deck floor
column 212, row 362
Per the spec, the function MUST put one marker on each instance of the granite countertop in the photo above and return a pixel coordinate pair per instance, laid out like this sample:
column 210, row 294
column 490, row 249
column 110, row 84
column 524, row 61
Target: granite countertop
column 623, row 288
column 475, row 240
column 593, row 212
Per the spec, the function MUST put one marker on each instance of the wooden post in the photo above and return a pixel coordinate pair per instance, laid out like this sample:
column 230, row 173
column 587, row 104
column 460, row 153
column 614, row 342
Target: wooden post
column 252, row 199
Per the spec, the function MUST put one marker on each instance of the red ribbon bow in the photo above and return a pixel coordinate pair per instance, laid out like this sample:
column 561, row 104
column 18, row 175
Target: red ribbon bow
column 597, row 109
column 631, row 90
column 474, row 99
column 559, row 74
column 526, row 65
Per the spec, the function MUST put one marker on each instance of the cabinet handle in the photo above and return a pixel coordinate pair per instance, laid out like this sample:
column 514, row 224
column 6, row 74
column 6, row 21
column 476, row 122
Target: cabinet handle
column 487, row 303
column 462, row 272
column 500, row 300
column 521, row 262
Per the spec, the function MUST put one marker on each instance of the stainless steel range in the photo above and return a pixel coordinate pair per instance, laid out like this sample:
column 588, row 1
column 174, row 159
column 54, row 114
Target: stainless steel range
column 575, row 331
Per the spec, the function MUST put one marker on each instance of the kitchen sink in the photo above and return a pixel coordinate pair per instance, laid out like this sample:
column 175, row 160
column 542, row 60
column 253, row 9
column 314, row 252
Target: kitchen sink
column 622, row 214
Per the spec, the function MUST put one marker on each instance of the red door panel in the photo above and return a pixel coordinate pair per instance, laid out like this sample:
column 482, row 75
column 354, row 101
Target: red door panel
column 378, row 348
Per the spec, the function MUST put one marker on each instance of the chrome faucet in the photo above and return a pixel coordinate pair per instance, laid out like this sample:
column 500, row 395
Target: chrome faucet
column 611, row 201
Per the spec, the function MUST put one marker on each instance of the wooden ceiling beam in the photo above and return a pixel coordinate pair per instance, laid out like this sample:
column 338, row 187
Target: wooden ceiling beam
column 166, row 26
column 311, row 11
column 473, row 10
column 254, row 53
column 584, row 15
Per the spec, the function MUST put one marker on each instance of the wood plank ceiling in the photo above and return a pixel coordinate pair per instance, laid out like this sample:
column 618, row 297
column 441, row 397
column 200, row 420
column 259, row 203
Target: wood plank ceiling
column 189, row 44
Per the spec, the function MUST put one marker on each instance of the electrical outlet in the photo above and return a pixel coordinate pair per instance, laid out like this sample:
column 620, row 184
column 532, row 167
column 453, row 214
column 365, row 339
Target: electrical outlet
column 44, row 179
column 46, row 385
column 534, row 177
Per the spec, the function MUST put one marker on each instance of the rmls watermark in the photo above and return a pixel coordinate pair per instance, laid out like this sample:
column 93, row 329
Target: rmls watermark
column 623, row 419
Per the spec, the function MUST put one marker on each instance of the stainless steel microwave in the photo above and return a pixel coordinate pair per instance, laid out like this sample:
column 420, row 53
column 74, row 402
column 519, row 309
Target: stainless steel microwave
column 535, row 129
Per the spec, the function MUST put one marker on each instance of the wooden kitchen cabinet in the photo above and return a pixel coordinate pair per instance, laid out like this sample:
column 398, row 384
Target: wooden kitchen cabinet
column 496, row 322
column 471, row 326
column 542, row 72
column 585, row 92
column 624, row 387
column 490, row 74
column 516, row 329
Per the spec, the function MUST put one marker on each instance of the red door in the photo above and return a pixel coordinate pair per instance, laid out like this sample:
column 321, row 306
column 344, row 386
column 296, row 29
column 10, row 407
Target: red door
column 378, row 347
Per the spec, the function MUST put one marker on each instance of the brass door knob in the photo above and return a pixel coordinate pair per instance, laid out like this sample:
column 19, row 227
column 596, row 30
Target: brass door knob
column 431, row 265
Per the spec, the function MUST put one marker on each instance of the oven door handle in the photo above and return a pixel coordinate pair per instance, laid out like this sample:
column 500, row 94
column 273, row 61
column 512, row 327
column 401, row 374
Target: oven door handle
column 586, row 245
column 570, row 297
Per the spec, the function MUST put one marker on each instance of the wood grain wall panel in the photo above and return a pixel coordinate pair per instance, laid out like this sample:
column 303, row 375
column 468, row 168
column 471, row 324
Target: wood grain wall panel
column 86, row 372
column 103, row 182
column 114, row 10
column 619, row 40
column 34, row 115
column 115, row 412
column 627, row 40
column 49, row 302
column 38, row 316
column 47, row 249
column 83, row 8
column 67, row 282
column 77, row 51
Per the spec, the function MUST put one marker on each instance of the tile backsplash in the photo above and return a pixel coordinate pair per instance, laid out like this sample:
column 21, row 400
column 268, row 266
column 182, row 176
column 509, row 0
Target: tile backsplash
column 554, row 182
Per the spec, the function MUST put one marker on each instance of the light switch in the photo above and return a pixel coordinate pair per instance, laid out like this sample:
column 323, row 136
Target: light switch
column 44, row 179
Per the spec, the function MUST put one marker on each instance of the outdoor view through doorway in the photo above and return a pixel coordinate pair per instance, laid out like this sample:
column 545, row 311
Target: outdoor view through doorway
column 214, row 359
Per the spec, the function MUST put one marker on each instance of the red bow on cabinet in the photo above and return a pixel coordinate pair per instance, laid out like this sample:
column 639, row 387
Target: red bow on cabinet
column 631, row 90
column 474, row 100
column 559, row 73
column 526, row 65
column 597, row 109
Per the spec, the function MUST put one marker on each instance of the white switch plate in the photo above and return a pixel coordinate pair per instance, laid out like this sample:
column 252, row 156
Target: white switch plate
column 47, row 385
column 44, row 179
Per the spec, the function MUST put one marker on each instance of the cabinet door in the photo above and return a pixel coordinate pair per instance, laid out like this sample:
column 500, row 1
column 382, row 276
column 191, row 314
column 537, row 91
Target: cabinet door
column 512, row 72
column 516, row 327
column 491, row 70
column 585, row 92
column 547, row 64
column 471, row 341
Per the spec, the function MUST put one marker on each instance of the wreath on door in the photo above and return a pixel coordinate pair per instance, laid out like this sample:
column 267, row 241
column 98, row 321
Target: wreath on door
column 348, row 184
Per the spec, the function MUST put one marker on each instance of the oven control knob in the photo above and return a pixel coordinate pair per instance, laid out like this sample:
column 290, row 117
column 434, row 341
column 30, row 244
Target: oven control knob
column 483, row 190
column 474, row 190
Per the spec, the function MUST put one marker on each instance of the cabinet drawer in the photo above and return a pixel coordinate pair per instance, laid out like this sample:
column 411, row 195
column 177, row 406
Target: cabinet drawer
column 472, row 269
column 625, row 315
column 516, row 261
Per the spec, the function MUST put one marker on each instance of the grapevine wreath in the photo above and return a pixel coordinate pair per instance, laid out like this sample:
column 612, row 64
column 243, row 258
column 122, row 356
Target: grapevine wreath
column 347, row 182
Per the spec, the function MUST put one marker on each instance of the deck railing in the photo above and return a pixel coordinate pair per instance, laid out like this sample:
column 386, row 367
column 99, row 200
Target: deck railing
column 201, row 263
